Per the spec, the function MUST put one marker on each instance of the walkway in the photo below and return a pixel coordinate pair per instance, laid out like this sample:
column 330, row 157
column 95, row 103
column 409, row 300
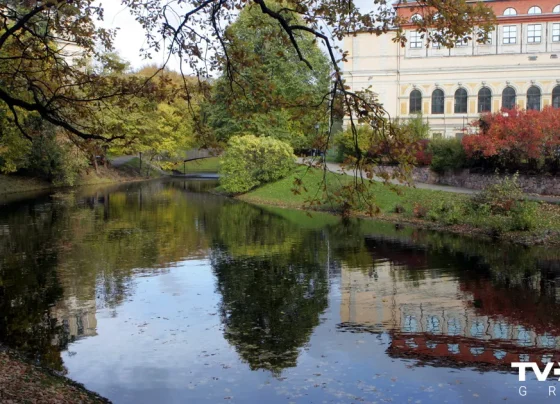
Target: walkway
column 335, row 168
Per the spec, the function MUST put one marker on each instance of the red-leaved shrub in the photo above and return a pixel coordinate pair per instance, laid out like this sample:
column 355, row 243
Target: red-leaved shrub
column 517, row 136
column 423, row 155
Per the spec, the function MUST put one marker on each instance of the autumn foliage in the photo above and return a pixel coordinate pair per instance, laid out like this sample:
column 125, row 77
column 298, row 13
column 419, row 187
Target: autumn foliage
column 517, row 139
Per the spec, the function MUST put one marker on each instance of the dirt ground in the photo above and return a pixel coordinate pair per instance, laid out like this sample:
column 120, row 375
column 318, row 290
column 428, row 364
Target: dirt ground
column 22, row 382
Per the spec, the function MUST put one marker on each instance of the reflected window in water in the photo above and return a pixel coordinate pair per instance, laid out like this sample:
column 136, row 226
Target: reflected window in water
column 501, row 330
column 524, row 337
column 454, row 327
column 546, row 341
column 524, row 358
column 546, row 358
column 431, row 344
column 410, row 324
column 411, row 343
column 499, row 354
column 453, row 348
column 433, row 325
column 477, row 351
column 477, row 329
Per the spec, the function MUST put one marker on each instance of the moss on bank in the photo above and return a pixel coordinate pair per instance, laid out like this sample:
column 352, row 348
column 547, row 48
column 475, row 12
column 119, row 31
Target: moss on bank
column 425, row 208
column 23, row 382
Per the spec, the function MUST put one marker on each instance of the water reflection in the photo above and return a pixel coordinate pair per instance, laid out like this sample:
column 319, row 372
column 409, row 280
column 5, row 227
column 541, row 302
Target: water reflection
column 144, row 274
column 472, row 314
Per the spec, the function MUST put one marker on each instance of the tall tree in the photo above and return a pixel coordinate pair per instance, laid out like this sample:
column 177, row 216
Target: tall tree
column 272, row 92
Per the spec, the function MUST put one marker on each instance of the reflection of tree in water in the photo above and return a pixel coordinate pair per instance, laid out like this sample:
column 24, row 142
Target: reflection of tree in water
column 269, row 306
column 273, row 287
column 29, row 288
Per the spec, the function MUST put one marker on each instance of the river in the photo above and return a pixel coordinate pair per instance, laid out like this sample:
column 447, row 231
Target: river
column 163, row 292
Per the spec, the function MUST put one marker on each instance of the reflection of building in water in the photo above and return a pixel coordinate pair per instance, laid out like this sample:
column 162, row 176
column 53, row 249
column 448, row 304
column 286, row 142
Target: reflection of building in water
column 76, row 317
column 432, row 314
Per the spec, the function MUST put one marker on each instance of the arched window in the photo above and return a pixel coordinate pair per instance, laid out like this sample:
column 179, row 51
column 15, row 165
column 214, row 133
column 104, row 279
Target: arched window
column 438, row 101
column 461, row 101
column 556, row 9
column 415, row 104
column 484, row 100
column 510, row 11
column 508, row 98
column 556, row 97
column 416, row 17
column 535, row 10
column 534, row 98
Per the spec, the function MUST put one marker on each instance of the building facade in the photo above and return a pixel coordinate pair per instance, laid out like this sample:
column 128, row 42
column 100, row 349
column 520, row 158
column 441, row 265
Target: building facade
column 451, row 87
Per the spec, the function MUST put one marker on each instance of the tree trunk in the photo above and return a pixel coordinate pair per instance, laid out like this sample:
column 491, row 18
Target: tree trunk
column 95, row 165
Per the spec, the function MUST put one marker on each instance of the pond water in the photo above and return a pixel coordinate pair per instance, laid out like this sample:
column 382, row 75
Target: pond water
column 162, row 292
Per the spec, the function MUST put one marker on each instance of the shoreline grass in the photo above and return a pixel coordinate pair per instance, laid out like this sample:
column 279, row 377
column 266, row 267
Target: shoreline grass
column 206, row 165
column 432, row 209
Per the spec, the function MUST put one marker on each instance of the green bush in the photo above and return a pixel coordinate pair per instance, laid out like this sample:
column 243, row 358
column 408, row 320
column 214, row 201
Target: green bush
column 524, row 216
column 502, row 207
column 346, row 143
column 499, row 198
column 447, row 154
column 55, row 160
column 415, row 126
column 447, row 212
column 250, row 161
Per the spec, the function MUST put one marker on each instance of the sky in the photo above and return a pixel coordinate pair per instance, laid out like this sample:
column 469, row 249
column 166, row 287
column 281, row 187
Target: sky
column 131, row 36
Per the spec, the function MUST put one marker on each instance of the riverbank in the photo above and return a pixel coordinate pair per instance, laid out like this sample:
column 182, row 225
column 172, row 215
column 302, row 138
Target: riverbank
column 430, row 209
column 14, row 183
column 23, row 382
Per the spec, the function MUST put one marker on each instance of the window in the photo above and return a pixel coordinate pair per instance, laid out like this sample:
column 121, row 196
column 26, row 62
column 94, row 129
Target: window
column 508, row 98
column 462, row 42
column 556, row 9
column 484, row 100
column 534, row 98
column 556, row 32
column 438, row 101
column 416, row 17
column 415, row 40
column 415, row 104
column 510, row 34
column 534, row 33
column 535, row 10
column 489, row 40
column 556, row 97
column 461, row 101
column 510, row 11
column 437, row 135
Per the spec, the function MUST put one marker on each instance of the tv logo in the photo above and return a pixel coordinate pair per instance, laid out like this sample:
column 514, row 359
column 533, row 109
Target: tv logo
column 541, row 376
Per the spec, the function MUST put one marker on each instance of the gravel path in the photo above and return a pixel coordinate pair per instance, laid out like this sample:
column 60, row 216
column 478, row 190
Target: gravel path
column 335, row 168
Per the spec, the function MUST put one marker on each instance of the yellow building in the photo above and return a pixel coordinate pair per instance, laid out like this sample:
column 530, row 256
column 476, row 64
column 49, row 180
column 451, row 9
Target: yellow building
column 520, row 65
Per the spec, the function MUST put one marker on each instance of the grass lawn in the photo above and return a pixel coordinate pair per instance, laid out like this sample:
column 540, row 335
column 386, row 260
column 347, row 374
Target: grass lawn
column 436, row 207
column 209, row 165
column 132, row 167
column 386, row 198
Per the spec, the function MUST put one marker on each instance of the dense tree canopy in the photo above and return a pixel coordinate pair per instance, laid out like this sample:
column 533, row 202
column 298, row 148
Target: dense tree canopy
column 273, row 92
column 36, row 75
